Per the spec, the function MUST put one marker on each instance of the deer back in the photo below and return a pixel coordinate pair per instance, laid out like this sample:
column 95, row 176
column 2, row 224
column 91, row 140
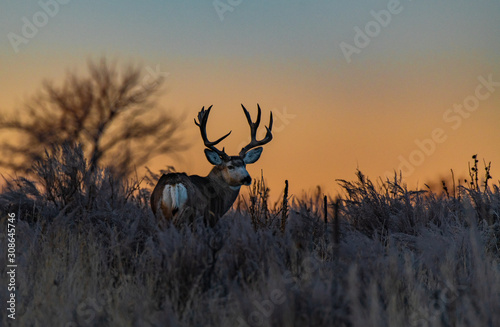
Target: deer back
column 186, row 198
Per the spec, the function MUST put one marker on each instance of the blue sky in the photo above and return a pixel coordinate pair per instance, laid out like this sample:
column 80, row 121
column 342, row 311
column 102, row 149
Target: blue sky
column 277, row 29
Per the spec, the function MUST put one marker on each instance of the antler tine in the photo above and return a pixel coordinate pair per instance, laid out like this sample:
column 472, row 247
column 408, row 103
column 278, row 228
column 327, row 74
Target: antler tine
column 202, row 124
column 257, row 122
column 247, row 114
column 271, row 122
column 253, row 130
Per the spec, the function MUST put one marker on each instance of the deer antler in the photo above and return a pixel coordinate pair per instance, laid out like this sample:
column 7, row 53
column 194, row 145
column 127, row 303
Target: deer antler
column 253, row 131
column 203, row 118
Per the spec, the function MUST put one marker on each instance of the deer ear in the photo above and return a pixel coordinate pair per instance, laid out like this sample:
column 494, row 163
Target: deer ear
column 252, row 155
column 213, row 157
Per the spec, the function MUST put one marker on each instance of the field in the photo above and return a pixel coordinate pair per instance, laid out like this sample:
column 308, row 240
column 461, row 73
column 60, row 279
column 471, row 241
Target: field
column 90, row 253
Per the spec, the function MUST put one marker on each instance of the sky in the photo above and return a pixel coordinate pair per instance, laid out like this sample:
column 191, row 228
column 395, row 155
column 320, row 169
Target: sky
column 379, row 86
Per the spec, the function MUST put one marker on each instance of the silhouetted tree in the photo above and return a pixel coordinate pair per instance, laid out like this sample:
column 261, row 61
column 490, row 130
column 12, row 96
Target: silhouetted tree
column 112, row 113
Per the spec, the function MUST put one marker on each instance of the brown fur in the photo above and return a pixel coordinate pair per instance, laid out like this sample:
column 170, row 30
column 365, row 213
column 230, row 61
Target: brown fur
column 208, row 197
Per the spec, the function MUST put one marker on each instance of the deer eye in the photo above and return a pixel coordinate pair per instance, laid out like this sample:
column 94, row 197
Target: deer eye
column 230, row 167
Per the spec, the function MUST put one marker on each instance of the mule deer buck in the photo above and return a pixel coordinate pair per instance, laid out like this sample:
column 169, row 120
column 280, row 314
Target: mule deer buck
column 180, row 198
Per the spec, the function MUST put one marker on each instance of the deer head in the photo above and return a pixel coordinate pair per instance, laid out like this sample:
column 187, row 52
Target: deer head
column 232, row 169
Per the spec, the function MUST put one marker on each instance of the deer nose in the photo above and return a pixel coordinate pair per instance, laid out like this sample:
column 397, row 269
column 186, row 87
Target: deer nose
column 247, row 180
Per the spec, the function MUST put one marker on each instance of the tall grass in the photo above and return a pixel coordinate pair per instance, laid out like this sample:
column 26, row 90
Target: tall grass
column 90, row 253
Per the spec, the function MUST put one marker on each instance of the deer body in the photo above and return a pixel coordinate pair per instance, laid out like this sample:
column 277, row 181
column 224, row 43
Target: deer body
column 180, row 198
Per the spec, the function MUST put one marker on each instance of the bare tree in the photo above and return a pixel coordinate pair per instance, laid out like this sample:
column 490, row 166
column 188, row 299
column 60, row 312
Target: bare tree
column 113, row 113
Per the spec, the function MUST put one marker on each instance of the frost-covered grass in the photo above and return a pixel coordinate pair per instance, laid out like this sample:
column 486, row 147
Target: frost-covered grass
column 90, row 253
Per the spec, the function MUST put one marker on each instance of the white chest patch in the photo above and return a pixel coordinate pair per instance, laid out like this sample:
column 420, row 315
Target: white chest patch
column 174, row 196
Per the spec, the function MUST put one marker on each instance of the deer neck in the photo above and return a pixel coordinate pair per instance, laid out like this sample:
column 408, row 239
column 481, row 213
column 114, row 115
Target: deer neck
column 230, row 192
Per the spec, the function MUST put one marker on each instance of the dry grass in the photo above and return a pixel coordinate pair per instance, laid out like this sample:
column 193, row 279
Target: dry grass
column 90, row 253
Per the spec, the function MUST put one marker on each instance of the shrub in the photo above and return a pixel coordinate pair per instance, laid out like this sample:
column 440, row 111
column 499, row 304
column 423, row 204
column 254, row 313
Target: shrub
column 89, row 252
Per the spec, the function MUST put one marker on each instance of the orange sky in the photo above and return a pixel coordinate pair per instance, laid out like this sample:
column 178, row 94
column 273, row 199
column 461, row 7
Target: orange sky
column 331, row 116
